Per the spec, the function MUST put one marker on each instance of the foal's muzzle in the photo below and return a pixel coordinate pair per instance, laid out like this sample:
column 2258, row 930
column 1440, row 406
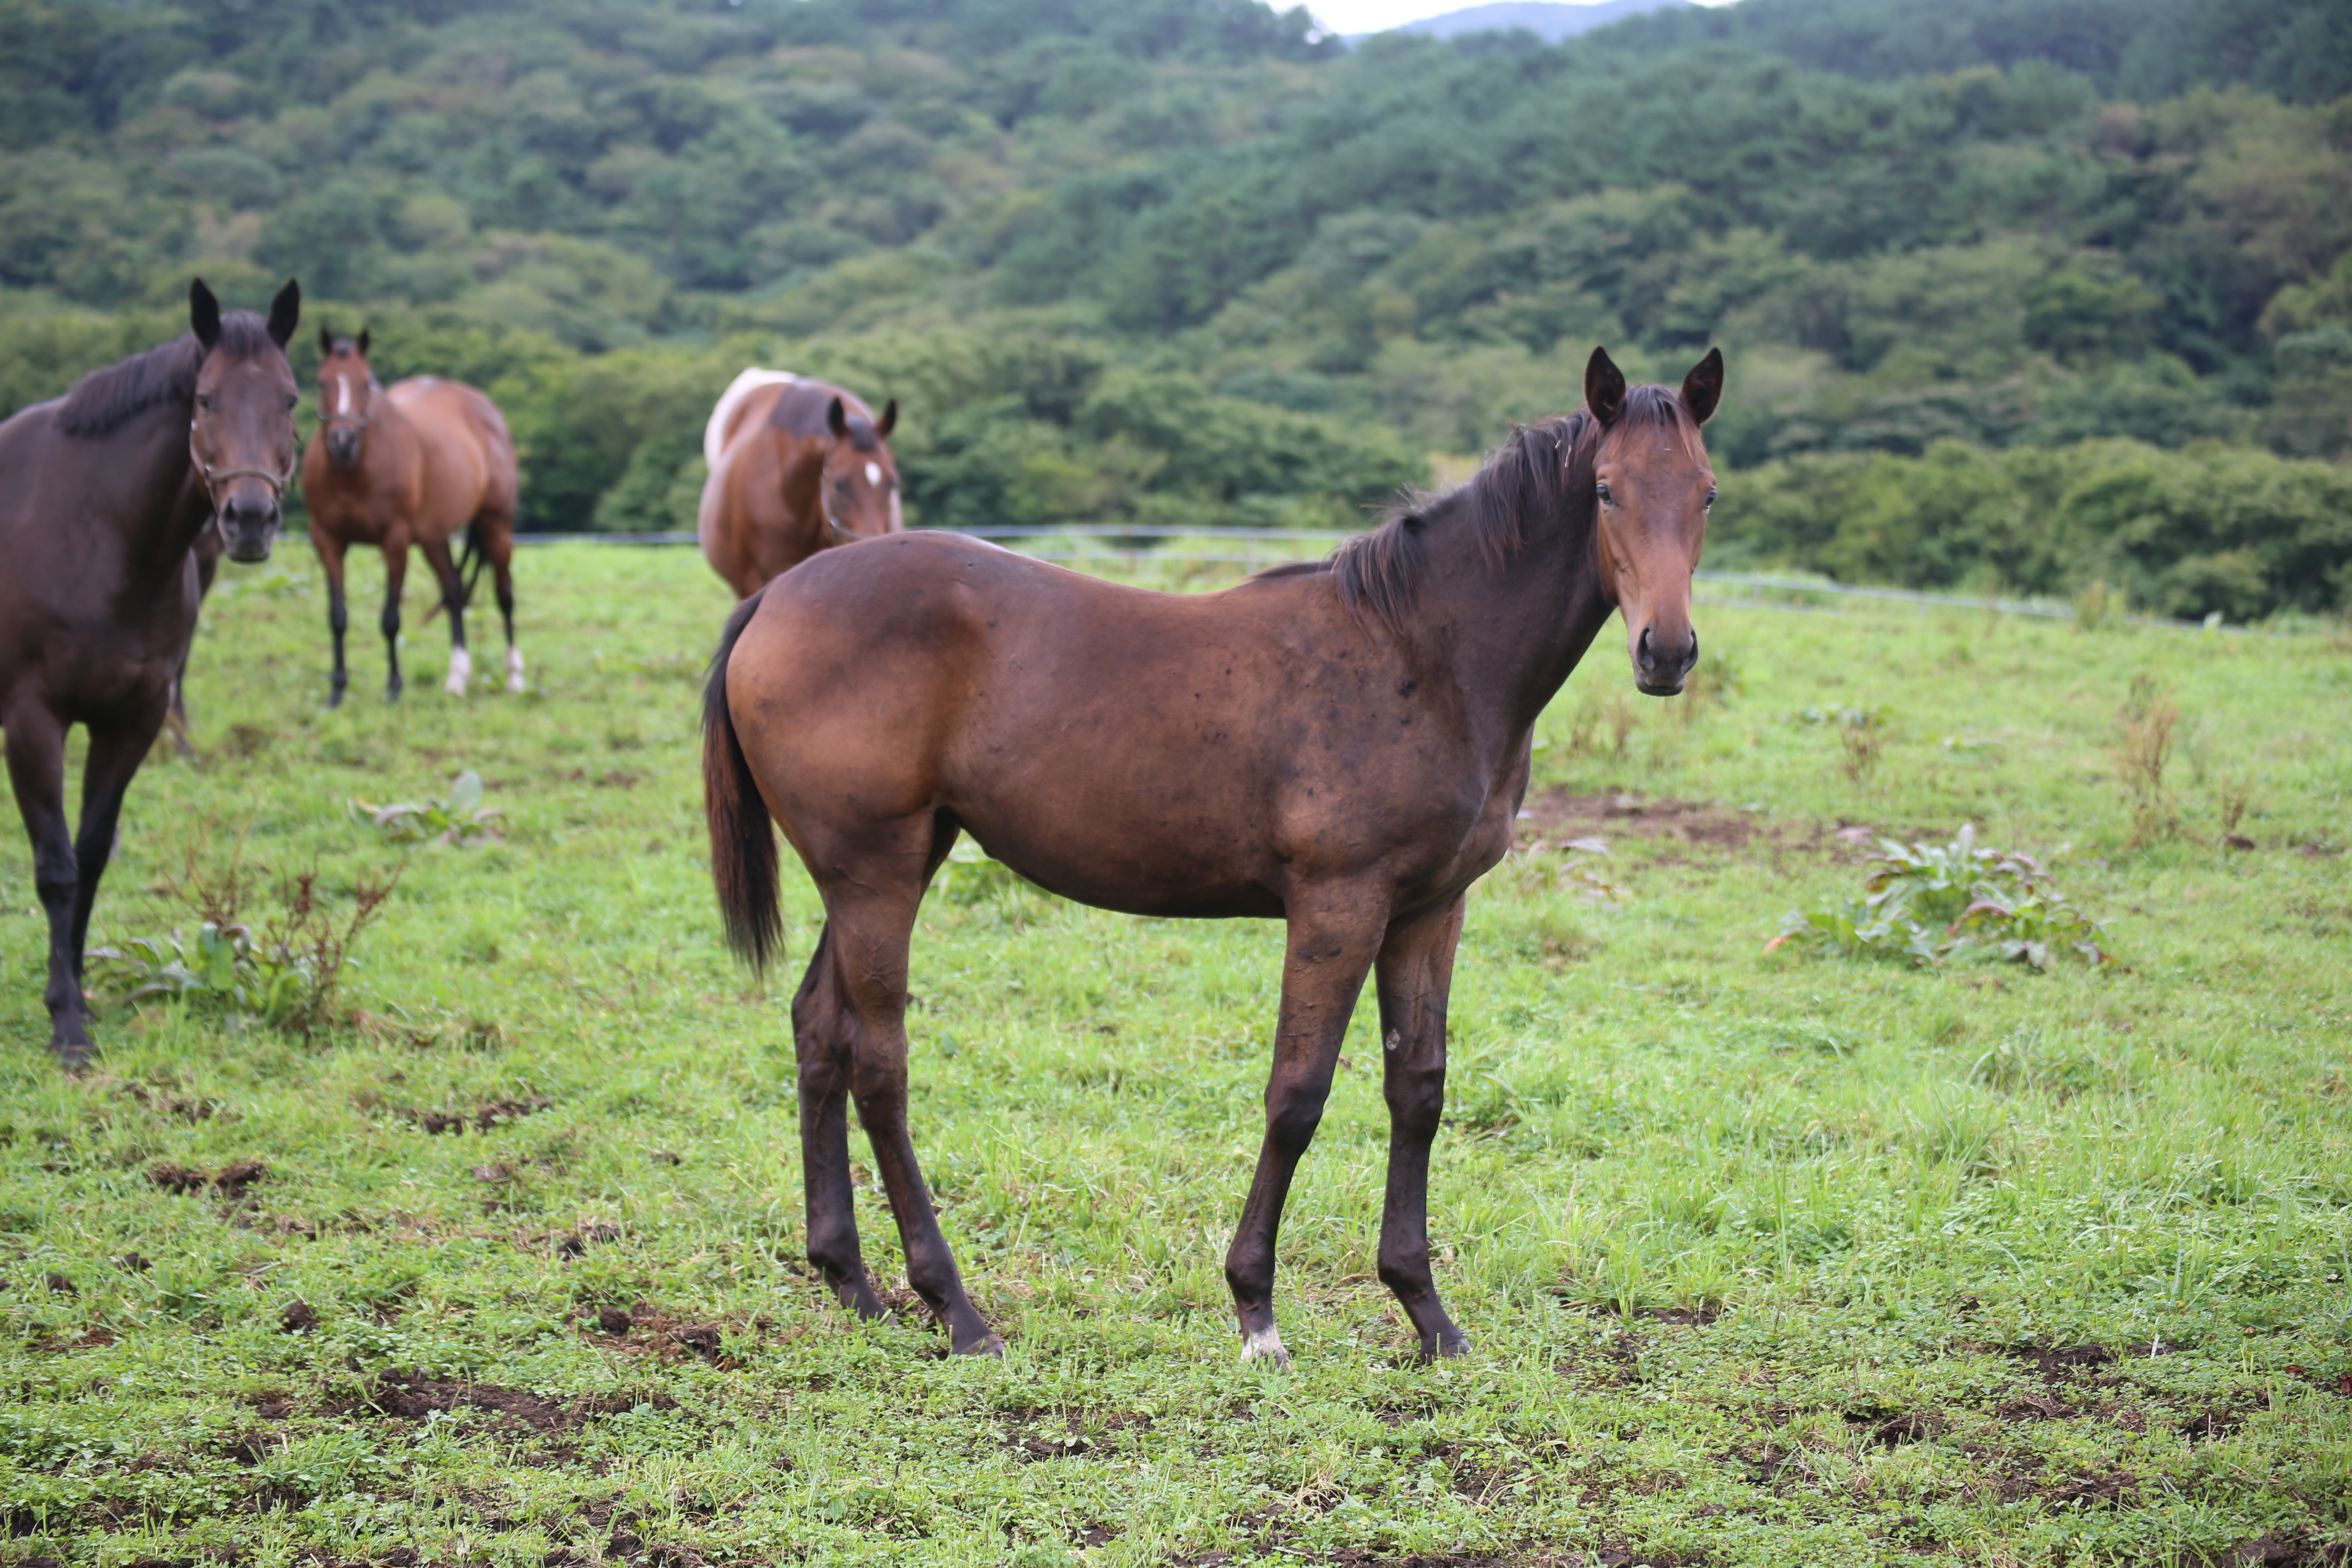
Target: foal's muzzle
column 1660, row 674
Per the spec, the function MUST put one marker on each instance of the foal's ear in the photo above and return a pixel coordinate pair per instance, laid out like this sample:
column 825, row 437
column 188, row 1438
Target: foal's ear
column 203, row 314
column 1703, row 387
column 1604, row 387
column 326, row 342
column 363, row 342
column 836, row 421
column 286, row 313
column 889, row 420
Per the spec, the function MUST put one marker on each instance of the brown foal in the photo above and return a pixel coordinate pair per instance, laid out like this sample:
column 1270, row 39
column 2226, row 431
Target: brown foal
column 1342, row 746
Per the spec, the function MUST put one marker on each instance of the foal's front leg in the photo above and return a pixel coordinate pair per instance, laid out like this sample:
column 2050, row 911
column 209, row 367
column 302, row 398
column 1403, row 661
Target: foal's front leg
column 36, row 746
column 1331, row 946
column 1416, row 974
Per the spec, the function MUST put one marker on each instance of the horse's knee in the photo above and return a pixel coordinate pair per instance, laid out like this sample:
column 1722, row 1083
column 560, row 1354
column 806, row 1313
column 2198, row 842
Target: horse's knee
column 1291, row 1119
column 390, row 619
column 1416, row 1097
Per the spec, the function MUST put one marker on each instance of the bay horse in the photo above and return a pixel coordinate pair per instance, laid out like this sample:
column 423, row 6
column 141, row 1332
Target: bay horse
column 416, row 463
column 105, row 496
column 795, row 466
column 1342, row 746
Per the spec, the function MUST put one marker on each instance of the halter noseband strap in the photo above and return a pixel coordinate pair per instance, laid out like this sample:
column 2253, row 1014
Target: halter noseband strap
column 212, row 478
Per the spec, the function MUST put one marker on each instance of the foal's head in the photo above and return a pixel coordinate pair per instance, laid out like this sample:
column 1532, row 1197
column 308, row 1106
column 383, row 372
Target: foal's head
column 1655, row 485
column 860, row 494
column 241, row 430
column 347, row 392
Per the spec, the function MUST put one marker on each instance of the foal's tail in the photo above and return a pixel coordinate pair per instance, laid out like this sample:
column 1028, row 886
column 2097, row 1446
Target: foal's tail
column 743, row 839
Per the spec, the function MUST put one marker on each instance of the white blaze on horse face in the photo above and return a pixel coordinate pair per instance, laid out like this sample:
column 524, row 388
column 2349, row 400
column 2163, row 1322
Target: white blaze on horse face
column 873, row 473
column 342, row 394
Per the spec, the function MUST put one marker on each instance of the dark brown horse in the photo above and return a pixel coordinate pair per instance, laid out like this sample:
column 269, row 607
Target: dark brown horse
column 414, row 464
column 795, row 466
column 103, row 496
column 1342, row 746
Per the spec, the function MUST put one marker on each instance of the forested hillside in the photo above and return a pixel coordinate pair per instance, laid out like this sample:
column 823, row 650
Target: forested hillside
column 1193, row 260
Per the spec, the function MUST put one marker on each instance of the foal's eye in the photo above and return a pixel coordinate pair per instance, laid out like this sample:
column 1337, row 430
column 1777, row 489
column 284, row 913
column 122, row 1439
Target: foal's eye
column 1602, row 488
column 204, row 403
column 1710, row 495
column 290, row 401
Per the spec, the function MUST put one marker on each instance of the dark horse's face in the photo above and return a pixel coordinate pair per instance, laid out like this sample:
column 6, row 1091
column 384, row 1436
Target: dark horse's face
column 1654, row 486
column 861, row 482
column 241, row 431
column 346, row 394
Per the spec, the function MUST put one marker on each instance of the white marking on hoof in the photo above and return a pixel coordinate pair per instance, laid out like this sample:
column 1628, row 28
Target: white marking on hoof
column 514, row 669
column 1264, row 1345
column 461, row 670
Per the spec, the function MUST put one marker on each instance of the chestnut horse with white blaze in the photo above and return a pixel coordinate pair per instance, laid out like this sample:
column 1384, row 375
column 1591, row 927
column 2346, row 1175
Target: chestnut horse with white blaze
column 795, row 466
column 416, row 463
column 1341, row 746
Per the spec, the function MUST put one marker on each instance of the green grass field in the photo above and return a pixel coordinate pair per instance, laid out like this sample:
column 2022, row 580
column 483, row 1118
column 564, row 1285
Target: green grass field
column 1768, row 1259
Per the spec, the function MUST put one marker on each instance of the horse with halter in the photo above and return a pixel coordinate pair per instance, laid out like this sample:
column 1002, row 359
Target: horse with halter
column 412, row 464
column 796, row 465
column 1342, row 746
column 105, row 495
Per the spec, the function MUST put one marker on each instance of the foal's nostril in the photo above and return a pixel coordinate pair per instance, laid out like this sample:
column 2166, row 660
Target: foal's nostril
column 1643, row 651
column 1690, row 654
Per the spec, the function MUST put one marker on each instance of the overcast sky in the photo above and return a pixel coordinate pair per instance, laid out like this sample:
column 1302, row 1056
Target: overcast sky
column 1372, row 16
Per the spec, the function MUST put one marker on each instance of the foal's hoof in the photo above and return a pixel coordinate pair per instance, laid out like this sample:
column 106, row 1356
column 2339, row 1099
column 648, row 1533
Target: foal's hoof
column 1443, row 1347
column 461, row 670
column 1266, row 1344
column 74, row 1056
column 987, row 1344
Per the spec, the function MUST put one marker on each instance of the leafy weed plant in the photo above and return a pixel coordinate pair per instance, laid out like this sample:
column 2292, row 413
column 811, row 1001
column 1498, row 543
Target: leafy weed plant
column 1952, row 902
column 461, row 819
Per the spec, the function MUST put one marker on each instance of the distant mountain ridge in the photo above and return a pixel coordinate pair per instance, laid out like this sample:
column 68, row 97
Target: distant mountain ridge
column 1551, row 20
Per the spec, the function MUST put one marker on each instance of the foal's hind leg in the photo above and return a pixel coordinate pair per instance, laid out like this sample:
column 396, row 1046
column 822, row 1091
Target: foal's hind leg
column 497, row 545
column 396, row 576
column 824, row 1037
column 870, row 914
column 453, row 599
column 1414, row 976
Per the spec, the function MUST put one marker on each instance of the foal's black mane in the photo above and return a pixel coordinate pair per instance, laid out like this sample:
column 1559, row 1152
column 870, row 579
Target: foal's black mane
column 1544, row 471
column 103, row 401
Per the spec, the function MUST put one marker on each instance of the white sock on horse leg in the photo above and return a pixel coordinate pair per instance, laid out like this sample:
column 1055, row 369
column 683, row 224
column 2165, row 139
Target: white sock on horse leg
column 461, row 670
column 514, row 669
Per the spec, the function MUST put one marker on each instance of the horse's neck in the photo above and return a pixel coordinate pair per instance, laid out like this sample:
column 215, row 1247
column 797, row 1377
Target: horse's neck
column 1512, row 632
column 165, row 508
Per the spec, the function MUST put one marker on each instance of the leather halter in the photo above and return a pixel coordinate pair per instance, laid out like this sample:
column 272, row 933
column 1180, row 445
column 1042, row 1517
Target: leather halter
column 212, row 478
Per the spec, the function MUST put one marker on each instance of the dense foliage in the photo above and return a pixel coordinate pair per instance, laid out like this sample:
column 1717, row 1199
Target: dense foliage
column 1189, row 259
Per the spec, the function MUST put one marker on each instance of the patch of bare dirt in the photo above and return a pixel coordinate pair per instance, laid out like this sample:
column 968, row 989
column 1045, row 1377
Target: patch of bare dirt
column 1559, row 817
column 407, row 1394
column 482, row 1118
column 230, row 1180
